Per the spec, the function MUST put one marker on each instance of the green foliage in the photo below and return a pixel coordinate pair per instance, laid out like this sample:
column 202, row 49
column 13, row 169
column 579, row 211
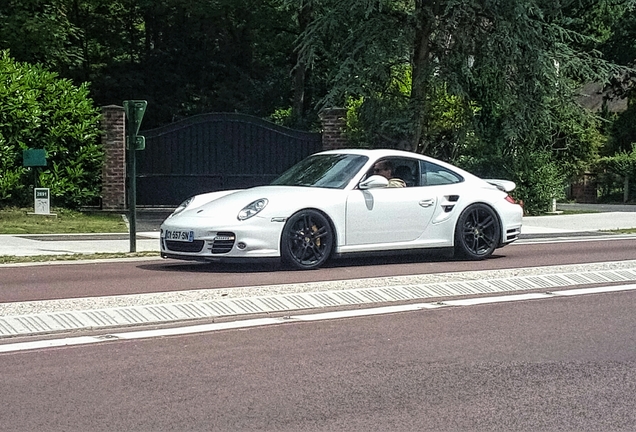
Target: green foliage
column 40, row 31
column 282, row 117
column 380, row 119
column 575, row 139
column 489, row 82
column 615, row 171
column 188, row 58
column 622, row 132
column 540, row 179
column 383, row 119
column 440, row 77
column 622, row 163
column 538, row 176
column 541, row 164
column 184, row 58
column 41, row 111
column 354, row 129
column 618, row 44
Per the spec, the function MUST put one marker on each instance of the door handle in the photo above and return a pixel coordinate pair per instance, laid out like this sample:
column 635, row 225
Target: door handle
column 427, row 202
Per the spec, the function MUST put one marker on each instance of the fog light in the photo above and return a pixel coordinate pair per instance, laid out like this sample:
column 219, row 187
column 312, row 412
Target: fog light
column 241, row 245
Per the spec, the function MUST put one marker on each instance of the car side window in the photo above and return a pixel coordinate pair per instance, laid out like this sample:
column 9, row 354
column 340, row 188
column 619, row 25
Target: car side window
column 435, row 175
column 405, row 169
column 406, row 172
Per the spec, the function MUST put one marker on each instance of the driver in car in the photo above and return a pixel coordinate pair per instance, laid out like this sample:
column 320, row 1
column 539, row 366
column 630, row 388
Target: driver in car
column 385, row 168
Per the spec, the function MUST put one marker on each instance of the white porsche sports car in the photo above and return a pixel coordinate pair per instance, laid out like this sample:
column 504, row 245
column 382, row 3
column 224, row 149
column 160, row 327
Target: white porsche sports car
column 333, row 203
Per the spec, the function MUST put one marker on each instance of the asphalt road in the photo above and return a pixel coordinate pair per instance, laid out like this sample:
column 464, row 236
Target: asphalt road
column 566, row 365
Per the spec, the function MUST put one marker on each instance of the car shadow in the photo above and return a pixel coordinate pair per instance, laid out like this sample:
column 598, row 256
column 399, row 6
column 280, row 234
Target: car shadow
column 274, row 265
column 423, row 257
column 171, row 265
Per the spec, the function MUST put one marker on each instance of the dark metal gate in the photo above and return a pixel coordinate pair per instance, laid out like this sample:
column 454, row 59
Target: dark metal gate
column 216, row 151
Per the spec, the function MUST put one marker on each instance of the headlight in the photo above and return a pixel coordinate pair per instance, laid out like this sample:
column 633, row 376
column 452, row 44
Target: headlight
column 252, row 208
column 182, row 207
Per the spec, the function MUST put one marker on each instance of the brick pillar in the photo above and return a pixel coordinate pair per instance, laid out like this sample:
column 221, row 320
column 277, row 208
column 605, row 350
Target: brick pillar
column 334, row 121
column 114, row 169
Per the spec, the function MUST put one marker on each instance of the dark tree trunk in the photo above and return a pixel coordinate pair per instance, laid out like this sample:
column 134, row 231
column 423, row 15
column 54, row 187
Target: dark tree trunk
column 425, row 13
column 299, row 73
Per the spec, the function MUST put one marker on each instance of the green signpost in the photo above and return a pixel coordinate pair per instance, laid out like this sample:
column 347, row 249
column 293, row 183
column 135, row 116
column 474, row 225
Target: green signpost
column 34, row 158
column 135, row 110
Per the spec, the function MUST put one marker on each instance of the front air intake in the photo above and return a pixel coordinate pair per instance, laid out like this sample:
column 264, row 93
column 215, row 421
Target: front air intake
column 223, row 242
column 179, row 246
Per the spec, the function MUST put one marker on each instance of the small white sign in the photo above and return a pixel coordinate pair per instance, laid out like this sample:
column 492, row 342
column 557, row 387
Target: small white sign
column 42, row 201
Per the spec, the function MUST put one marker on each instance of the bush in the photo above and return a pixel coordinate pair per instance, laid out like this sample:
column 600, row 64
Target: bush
column 540, row 179
column 41, row 111
column 537, row 174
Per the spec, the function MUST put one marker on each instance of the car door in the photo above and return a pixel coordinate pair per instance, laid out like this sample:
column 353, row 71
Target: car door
column 388, row 215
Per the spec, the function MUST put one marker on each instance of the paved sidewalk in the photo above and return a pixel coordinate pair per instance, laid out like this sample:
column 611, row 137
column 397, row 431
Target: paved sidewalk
column 59, row 244
column 578, row 223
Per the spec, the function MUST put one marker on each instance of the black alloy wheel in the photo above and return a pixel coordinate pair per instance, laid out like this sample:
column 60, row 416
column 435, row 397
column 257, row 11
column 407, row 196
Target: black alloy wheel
column 478, row 232
column 307, row 240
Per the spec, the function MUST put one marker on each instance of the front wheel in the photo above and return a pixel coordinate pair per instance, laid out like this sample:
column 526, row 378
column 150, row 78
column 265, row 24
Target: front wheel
column 307, row 240
column 477, row 233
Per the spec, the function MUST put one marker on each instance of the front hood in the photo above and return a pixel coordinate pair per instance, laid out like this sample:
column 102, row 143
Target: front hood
column 282, row 202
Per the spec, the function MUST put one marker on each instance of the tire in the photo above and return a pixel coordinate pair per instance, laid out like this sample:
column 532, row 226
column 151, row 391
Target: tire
column 307, row 240
column 478, row 232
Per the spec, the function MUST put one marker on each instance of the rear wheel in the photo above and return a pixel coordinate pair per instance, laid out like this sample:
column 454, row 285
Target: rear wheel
column 307, row 240
column 478, row 232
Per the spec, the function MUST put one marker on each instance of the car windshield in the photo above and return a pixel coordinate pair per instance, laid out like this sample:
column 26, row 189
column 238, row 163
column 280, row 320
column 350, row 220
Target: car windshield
column 333, row 171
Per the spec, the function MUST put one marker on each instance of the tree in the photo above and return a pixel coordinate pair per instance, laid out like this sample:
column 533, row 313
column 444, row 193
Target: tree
column 193, row 57
column 183, row 57
column 481, row 82
column 40, row 31
column 620, row 46
column 300, row 72
column 507, row 69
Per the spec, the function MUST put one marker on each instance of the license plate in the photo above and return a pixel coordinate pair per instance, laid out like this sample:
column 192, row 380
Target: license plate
column 185, row 236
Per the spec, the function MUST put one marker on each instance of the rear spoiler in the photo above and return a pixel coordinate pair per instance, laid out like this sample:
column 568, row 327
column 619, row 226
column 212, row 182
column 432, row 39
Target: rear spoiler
column 503, row 185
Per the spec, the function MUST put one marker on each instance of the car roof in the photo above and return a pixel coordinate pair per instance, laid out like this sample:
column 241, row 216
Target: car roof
column 375, row 154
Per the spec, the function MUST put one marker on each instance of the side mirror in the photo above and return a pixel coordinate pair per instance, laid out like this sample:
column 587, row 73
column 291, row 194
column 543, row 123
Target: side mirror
column 374, row 182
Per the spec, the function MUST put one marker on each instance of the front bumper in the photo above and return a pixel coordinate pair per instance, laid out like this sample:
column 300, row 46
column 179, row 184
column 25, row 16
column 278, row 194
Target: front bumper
column 249, row 239
column 512, row 216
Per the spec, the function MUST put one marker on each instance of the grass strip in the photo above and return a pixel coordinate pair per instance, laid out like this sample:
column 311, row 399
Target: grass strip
column 64, row 221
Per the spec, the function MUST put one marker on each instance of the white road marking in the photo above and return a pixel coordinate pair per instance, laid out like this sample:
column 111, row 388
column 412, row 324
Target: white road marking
column 260, row 322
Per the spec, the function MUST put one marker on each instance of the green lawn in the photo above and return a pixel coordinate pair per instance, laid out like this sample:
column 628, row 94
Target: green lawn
column 18, row 221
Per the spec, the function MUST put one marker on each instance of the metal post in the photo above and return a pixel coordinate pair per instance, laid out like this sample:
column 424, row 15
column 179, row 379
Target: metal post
column 132, row 180
column 134, row 112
